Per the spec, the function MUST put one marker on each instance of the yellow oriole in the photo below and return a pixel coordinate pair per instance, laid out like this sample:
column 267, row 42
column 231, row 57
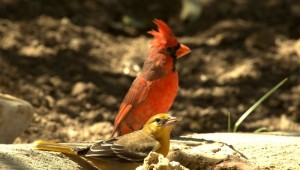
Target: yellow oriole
column 127, row 151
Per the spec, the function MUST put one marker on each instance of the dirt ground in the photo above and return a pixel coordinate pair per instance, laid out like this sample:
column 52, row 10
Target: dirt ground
column 75, row 60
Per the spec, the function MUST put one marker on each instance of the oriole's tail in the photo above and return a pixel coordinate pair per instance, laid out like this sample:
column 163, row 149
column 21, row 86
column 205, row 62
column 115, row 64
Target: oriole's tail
column 53, row 146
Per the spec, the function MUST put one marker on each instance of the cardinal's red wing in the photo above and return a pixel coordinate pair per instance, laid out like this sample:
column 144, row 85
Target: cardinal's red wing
column 136, row 94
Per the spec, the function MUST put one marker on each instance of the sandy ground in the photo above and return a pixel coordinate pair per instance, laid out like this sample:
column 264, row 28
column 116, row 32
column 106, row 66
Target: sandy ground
column 261, row 150
column 74, row 61
column 264, row 151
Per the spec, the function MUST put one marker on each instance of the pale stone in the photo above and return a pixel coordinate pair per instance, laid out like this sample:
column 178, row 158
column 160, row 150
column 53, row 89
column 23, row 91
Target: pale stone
column 157, row 161
column 79, row 88
column 15, row 117
column 197, row 151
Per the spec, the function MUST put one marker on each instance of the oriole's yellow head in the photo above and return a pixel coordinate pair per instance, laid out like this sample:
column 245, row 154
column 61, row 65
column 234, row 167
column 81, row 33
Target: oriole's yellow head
column 160, row 125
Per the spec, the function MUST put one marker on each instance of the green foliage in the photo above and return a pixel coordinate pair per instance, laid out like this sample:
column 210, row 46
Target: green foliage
column 253, row 107
column 229, row 122
column 262, row 129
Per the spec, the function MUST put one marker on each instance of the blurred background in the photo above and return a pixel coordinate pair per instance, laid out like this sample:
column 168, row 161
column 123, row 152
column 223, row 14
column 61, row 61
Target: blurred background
column 74, row 60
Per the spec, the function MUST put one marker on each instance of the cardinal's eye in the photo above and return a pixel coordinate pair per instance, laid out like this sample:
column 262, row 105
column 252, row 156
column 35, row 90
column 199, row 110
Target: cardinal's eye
column 170, row 50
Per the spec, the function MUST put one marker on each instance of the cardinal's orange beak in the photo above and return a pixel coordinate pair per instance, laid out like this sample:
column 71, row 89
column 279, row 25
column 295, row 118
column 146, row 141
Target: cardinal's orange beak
column 183, row 50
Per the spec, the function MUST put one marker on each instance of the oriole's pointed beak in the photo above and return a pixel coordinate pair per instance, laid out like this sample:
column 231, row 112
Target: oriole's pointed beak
column 183, row 50
column 172, row 120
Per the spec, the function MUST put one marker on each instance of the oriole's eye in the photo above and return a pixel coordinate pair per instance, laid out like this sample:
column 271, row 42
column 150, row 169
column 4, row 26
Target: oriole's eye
column 158, row 120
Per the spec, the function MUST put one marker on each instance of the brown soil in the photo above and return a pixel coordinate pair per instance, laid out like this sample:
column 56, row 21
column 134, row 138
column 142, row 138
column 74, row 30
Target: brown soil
column 74, row 61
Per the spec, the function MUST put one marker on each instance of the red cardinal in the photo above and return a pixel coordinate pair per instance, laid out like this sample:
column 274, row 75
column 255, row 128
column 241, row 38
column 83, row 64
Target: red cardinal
column 155, row 89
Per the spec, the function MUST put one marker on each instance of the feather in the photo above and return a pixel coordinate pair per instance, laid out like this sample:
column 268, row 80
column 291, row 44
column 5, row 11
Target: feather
column 164, row 36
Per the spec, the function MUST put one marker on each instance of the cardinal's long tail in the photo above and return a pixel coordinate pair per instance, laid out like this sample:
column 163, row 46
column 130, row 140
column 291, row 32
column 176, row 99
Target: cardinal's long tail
column 52, row 146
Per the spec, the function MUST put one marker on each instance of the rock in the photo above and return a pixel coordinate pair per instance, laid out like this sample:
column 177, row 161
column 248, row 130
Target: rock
column 36, row 51
column 237, row 151
column 15, row 117
column 188, row 151
column 56, row 81
column 217, row 151
column 78, row 88
column 81, row 87
column 22, row 156
column 157, row 161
